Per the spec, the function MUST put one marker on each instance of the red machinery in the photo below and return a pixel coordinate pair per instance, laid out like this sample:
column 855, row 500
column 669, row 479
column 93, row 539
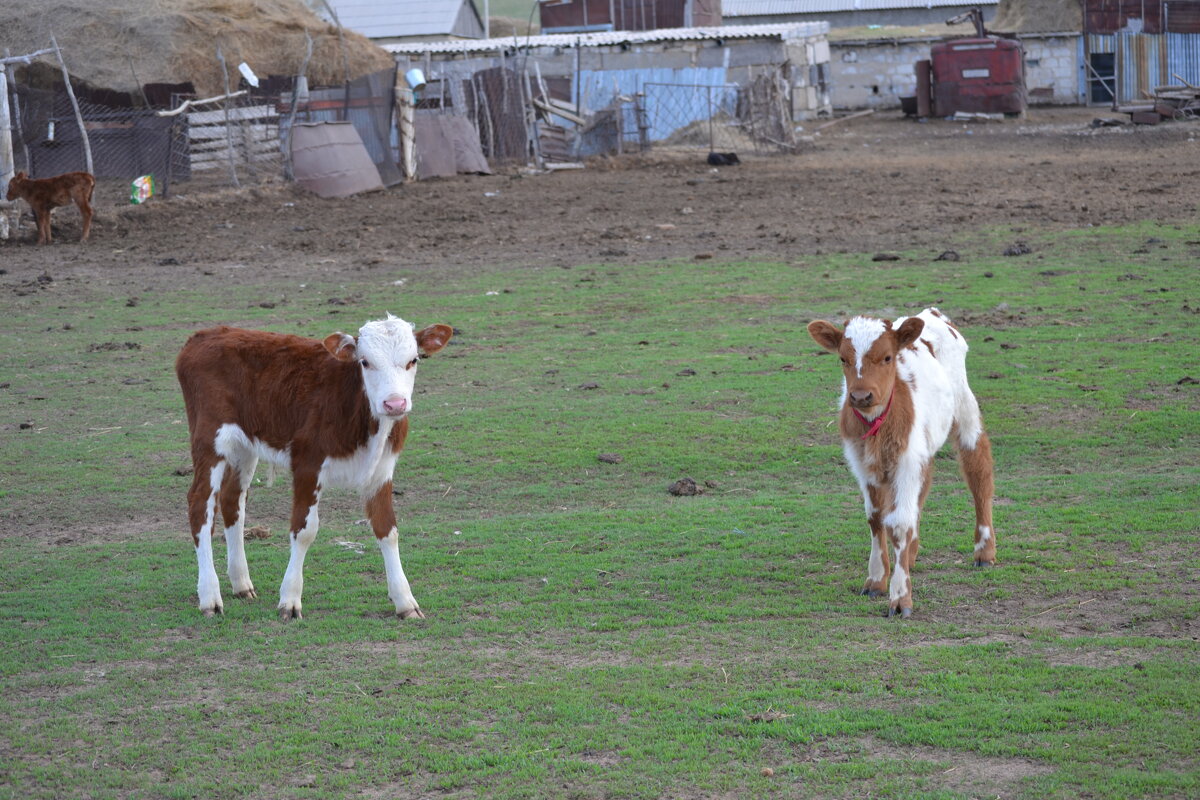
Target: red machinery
column 980, row 75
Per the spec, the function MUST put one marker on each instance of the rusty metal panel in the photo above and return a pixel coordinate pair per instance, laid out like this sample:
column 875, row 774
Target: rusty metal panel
column 330, row 160
column 1141, row 65
column 978, row 75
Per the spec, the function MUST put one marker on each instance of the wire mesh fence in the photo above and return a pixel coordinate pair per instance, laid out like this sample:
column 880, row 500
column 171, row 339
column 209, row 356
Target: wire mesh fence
column 194, row 144
column 512, row 114
column 721, row 118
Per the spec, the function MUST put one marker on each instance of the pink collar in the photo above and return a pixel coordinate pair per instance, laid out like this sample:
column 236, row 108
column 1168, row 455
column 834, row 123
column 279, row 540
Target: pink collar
column 873, row 427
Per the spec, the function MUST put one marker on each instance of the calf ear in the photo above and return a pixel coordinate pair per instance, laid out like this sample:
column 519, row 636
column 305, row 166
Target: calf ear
column 825, row 335
column 433, row 338
column 908, row 331
column 341, row 346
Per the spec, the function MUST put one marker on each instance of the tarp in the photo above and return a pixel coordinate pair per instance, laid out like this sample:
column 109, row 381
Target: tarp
column 447, row 145
column 330, row 160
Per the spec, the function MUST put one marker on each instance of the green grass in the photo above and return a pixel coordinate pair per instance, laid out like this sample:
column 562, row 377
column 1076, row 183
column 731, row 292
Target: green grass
column 589, row 634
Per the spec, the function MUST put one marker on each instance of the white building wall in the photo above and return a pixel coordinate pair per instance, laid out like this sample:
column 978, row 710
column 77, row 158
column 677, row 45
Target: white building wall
column 877, row 73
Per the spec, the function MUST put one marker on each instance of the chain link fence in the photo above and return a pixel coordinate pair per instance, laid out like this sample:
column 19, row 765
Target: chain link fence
column 194, row 144
column 722, row 118
column 517, row 115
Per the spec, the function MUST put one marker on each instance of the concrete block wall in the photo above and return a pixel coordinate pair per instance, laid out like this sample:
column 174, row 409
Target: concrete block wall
column 877, row 73
column 1052, row 69
column 874, row 74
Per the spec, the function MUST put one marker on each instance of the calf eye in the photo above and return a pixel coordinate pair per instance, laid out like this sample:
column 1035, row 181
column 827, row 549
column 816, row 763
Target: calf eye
column 887, row 359
column 411, row 364
column 365, row 364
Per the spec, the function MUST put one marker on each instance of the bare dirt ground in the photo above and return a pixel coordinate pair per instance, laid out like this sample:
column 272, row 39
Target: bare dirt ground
column 867, row 185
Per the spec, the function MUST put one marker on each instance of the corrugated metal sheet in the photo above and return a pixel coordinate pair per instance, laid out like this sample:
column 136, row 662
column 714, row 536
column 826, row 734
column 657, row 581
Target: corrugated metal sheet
column 398, row 18
column 749, row 8
column 1144, row 61
column 1183, row 57
column 786, row 31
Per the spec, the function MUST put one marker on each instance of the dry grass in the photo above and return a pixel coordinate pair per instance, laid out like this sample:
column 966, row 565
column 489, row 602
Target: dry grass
column 129, row 42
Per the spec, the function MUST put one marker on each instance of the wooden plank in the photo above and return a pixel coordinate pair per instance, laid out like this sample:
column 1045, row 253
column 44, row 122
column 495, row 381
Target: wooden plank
column 555, row 110
column 239, row 114
column 1145, row 118
column 840, row 120
column 257, row 134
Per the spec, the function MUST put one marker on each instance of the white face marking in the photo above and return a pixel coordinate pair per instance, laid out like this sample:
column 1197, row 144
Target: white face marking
column 862, row 333
column 387, row 351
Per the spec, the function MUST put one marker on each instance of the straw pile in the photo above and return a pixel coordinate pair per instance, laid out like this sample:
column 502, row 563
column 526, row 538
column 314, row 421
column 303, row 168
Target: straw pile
column 1037, row 16
column 120, row 44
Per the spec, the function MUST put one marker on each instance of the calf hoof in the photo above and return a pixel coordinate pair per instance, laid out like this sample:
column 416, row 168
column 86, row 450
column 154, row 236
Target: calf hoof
column 213, row 612
column 249, row 594
column 869, row 592
column 903, row 613
column 289, row 613
column 412, row 613
column 979, row 562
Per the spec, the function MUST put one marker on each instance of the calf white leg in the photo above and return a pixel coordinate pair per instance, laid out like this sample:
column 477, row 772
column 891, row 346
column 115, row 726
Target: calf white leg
column 234, row 510
column 208, row 588
column 293, row 580
column 398, row 588
column 911, row 484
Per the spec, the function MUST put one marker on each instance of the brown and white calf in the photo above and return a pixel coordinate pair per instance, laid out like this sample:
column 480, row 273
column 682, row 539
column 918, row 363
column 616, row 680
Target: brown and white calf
column 46, row 194
column 904, row 392
column 335, row 412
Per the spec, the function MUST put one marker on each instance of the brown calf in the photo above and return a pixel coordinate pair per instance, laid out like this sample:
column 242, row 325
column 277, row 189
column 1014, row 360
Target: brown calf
column 46, row 194
column 335, row 412
column 904, row 392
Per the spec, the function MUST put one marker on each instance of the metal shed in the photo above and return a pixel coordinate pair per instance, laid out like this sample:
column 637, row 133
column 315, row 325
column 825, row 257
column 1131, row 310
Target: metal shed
column 407, row 20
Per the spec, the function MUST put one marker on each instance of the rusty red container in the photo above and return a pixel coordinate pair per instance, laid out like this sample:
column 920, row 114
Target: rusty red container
column 978, row 75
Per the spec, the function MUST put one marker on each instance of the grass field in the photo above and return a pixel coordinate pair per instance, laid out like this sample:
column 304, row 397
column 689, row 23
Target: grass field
column 589, row 634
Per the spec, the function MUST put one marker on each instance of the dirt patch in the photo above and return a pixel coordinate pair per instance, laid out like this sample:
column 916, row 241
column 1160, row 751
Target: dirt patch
column 879, row 184
column 882, row 184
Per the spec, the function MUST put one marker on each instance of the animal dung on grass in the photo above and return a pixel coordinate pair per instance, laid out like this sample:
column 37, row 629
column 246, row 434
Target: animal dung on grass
column 904, row 392
column 684, row 487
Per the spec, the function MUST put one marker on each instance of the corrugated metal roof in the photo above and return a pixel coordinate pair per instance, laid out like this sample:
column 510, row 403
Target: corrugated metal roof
column 787, row 30
column 384, row 19
column 750, row 8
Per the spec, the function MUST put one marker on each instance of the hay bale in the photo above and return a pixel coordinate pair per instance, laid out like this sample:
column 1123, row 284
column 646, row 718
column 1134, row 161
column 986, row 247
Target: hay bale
column 1037, row 16
column 174, row 41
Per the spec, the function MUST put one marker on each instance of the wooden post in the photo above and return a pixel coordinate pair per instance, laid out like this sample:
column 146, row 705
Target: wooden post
column 228, row 126
column 6, row 151
column 87, row 145
column 288, row 171
column 15, row 109
column 405, row 101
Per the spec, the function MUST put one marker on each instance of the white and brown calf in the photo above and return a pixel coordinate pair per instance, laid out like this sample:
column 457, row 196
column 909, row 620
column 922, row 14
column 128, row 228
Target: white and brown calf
column 335, row 412
column 904, row 392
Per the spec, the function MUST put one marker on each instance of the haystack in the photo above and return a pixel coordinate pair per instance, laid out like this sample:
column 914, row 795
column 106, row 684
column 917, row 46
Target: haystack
column 121, row 44
column 1037, row 16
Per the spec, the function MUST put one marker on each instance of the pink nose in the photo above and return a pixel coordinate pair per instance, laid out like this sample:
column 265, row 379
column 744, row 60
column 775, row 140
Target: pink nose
column 395, row 406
